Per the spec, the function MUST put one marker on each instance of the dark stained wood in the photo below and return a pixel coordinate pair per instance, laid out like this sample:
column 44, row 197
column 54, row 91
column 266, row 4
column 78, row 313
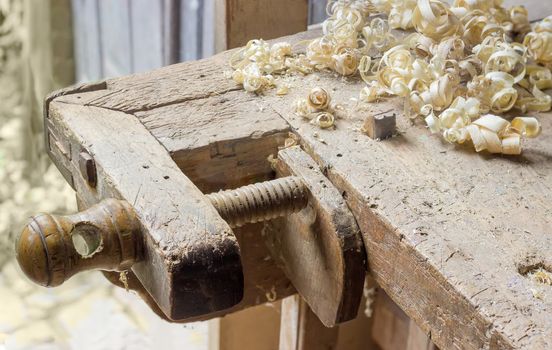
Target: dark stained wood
column 320, row 248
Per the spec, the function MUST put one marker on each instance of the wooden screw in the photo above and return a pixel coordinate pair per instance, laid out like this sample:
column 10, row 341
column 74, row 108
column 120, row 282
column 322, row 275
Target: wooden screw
column 261, row 201
column 380, row 127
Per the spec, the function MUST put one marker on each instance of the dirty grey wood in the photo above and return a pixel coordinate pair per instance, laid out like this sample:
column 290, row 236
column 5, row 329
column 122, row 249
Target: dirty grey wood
column 448, row 244
column 191, row 262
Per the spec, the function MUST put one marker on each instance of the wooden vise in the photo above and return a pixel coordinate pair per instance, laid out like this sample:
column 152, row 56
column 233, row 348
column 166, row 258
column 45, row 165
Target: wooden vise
column 142, row 214
column 453, row 252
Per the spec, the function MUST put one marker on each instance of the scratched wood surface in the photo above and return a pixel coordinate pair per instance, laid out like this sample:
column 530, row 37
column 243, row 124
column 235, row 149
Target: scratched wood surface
column 450, row 234
column 191, row 261
column 262, row 280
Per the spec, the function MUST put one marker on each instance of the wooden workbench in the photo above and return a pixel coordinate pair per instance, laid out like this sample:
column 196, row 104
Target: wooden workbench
column 450, row 234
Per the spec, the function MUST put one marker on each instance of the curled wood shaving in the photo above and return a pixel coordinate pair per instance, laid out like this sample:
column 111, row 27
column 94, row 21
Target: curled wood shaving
column 542, row 276
column 520, row 21
column 255, row 63
column 464, row 60
column 434, row 19
column 544, row 26
column 318, row 99
column 123, row 278
column 324, row 120
column 282, row 90
column 497, row 135
column 539, row 45
column 290, row 141
column 317, row 107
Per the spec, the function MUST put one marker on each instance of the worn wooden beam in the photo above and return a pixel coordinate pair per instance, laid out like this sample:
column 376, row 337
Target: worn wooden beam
column 319, row 248
column 191, row 260
column 422, row 223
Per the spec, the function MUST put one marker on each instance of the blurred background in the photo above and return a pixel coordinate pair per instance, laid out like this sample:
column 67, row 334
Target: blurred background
column 46, row 45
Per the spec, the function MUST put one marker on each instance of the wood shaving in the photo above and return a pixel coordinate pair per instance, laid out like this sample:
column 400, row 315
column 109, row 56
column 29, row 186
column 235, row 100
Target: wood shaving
column 324, row 120
column 317, row 108
column 463, row 61
column 290, row 141
column 542, row 276
column 273, row 161
column 123, row 278
column 317, row 137
column 282, row 90
column 318, row 99
column 271, row 295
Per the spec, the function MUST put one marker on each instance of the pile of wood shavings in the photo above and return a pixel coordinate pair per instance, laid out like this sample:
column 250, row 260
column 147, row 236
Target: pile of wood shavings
column 462, row 65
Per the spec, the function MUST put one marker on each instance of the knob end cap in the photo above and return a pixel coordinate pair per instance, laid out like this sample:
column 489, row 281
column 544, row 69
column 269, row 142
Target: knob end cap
column 38, row 251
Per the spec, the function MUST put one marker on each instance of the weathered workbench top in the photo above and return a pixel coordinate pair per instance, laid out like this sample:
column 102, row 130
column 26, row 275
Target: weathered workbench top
column 450, row 235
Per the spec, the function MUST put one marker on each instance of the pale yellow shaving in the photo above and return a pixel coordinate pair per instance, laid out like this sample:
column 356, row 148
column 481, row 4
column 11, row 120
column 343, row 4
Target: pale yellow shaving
column 464, row 60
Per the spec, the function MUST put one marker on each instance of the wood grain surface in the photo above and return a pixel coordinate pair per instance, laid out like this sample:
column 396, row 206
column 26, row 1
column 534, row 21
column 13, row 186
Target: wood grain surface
column 450, row 234
column 191, row 264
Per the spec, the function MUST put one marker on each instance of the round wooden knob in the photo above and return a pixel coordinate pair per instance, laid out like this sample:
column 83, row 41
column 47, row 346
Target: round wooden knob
column 53, row 248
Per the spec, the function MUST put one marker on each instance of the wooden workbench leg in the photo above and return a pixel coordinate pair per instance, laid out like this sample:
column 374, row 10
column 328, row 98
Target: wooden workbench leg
column 238, row 21
column 418, row 339
column 300, row 329
column 253, row 328
column 394, row 330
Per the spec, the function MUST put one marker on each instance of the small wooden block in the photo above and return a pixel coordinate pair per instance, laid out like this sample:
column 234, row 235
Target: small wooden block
column 381, row 126
column 320, row 248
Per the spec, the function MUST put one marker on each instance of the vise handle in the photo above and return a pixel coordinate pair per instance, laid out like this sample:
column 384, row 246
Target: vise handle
column 107, row 236
column 53, row 248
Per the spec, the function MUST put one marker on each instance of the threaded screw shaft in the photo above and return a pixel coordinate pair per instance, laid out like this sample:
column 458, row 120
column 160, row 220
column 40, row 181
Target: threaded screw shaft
column 261, row 201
